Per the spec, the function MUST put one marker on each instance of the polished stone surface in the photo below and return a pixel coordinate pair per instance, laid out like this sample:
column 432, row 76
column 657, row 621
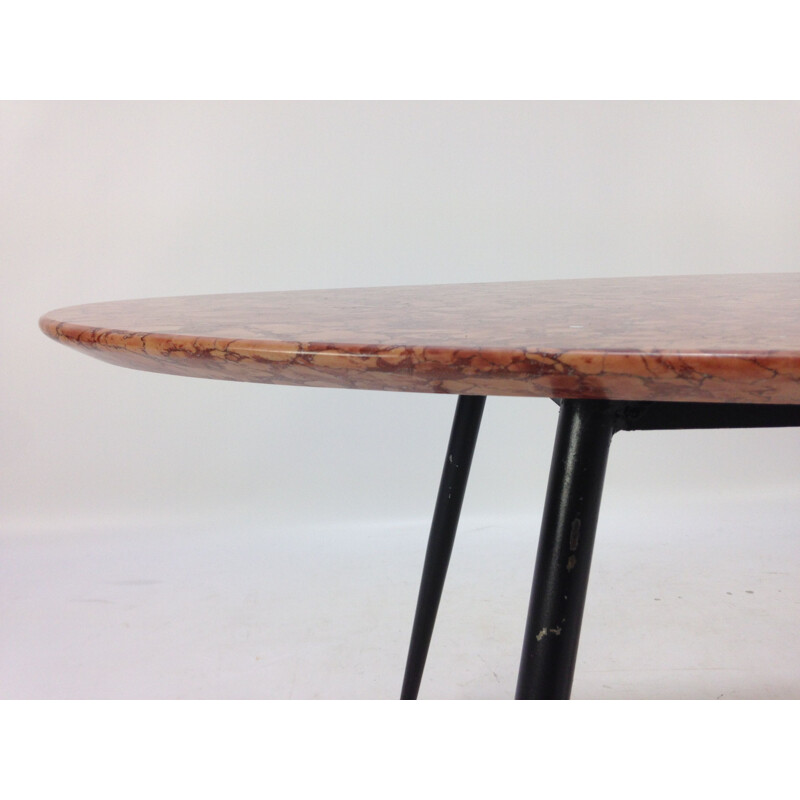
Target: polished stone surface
column 720, row 338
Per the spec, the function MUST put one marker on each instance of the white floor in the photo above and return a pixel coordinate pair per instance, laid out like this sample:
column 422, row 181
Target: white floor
column 690, row 599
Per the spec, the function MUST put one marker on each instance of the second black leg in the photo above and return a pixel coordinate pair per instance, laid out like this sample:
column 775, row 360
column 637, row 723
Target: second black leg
column 569, row 522
column 458, row 460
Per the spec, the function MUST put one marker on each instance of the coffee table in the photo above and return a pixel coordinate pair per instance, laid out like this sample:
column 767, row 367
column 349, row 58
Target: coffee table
column 624, row 354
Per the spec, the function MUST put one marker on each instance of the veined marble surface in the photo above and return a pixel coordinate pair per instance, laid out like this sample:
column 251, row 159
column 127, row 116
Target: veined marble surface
column 713, row 338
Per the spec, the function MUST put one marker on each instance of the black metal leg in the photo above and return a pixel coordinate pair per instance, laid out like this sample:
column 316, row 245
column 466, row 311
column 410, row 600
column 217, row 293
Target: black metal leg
column 585, row 428
column 463, row 436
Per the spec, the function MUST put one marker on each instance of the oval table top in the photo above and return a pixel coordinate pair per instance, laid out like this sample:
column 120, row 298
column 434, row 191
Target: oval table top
column 716, row 338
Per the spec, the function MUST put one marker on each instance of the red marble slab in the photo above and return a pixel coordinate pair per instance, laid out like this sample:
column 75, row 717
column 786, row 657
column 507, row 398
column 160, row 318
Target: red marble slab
column 714, row 338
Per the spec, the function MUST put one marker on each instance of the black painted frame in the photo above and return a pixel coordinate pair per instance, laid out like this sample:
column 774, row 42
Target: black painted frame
column 569, row 522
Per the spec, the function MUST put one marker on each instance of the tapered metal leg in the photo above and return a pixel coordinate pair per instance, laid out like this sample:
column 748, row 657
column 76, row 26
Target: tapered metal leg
column 463, row 436
column 585, row 428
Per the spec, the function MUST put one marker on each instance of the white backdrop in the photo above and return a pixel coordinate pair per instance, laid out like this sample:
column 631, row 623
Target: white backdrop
column 119, row 200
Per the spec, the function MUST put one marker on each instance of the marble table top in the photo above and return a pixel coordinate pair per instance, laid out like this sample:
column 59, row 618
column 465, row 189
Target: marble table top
column 716, row 338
